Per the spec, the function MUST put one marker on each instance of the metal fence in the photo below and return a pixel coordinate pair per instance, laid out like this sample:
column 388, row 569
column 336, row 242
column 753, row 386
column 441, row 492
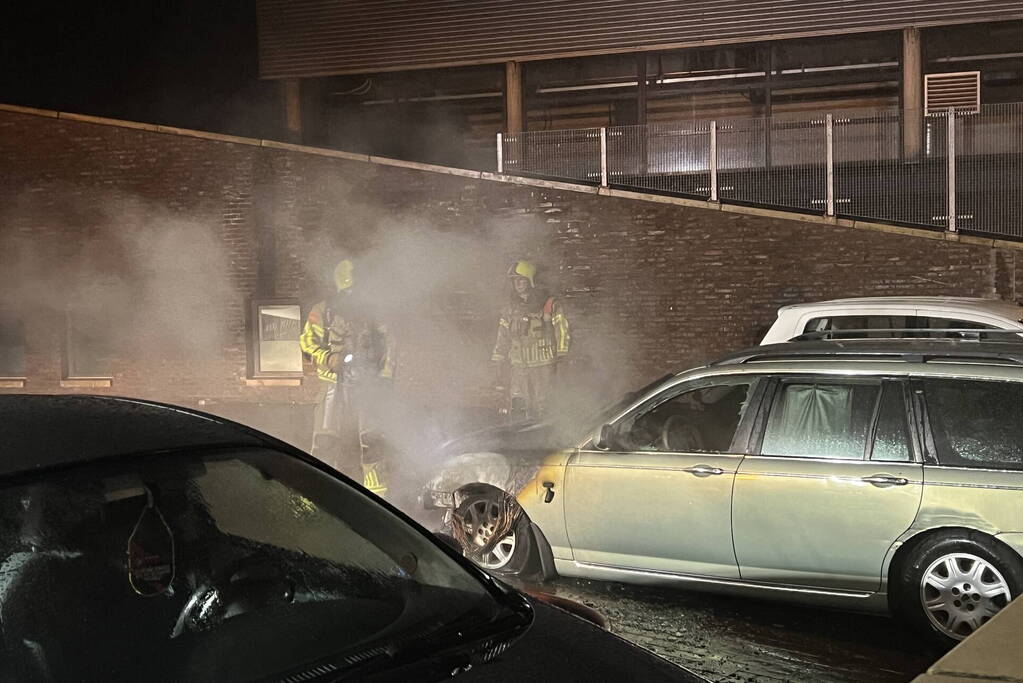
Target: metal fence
column 957, row 171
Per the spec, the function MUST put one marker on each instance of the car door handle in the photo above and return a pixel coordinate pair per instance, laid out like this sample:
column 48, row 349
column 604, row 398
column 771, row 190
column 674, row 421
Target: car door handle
column 703, row 470
column 882, row 480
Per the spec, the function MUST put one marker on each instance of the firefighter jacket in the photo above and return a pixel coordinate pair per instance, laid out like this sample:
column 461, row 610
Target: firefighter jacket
column 532, row 332
column 336, row 326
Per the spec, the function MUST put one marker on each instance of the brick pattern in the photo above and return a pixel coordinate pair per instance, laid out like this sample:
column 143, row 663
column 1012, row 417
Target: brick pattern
column 649, row 287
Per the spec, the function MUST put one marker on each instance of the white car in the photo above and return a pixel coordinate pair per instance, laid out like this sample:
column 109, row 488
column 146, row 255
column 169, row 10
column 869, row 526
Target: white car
column 894, row 313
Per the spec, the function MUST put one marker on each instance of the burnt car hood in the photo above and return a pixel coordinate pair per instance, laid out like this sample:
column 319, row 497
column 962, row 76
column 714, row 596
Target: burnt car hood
column 519, row 437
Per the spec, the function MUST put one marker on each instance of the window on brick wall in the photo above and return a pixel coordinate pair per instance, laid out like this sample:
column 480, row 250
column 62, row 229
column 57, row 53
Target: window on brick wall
column 274, row 351
column 12, row 346
column 88, row 337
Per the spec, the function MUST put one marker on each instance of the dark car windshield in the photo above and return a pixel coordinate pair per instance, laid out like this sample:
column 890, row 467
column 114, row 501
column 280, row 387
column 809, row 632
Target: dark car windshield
column 212, row 567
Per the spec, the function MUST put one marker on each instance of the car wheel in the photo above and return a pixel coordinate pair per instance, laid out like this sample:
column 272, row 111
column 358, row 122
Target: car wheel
column 482, row 515
column 952, row 585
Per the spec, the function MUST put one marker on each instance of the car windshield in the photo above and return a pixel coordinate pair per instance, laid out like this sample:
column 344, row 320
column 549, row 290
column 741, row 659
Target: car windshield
column 212, row 567
column 610, row 411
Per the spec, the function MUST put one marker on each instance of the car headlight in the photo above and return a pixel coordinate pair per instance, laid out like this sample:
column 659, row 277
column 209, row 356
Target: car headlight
column 438, row 499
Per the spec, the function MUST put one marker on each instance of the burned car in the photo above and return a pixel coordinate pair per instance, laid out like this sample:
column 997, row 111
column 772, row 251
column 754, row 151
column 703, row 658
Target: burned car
column 141, row 541
column 865, row 474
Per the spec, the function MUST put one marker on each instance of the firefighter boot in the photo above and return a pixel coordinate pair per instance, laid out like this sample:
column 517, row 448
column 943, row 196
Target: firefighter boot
column 374, row 478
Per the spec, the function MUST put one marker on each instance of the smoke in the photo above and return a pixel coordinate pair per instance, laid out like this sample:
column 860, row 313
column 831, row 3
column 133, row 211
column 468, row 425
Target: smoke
column 137, row 280
column 440, row 289
column 166, row 291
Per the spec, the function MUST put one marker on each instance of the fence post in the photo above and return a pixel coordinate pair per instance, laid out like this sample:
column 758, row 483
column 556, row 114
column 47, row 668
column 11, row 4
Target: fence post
column 830, row 141
column 500, row 153
column 951, row 170
column 603, row 157
column 713, row 161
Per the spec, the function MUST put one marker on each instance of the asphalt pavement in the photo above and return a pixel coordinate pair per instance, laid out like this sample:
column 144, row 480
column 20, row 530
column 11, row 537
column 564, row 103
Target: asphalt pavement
column 732, row 640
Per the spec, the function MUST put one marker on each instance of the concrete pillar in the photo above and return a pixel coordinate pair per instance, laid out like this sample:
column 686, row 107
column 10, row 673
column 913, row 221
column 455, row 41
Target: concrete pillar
column 641, row 87
column 513, row 122
column 292, row 100
column 641, row 83
column 912, row 93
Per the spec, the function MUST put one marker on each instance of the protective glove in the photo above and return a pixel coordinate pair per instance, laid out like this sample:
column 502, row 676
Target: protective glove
column 333, row 361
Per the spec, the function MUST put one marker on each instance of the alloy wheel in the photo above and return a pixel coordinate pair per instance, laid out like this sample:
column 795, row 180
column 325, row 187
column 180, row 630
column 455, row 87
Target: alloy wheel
column 960, row 592
column 481, row 519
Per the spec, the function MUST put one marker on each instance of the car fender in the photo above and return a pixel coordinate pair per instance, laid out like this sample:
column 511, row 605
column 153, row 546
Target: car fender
column 493, row 469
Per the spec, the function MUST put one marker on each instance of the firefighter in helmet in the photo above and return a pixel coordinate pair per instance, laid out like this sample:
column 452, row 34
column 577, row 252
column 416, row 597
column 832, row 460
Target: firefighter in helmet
column 532, row 336
column 354, row 357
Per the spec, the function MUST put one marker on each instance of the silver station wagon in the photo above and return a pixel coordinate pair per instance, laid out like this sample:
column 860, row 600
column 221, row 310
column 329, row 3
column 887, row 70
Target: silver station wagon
column 878, row 475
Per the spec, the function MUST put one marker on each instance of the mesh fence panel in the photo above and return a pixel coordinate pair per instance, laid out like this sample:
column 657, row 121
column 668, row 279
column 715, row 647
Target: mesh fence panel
column 989, row 172
column 882, row 170
column 874, row 181
column 664, row 157
column 562, row 154
column 781, row 161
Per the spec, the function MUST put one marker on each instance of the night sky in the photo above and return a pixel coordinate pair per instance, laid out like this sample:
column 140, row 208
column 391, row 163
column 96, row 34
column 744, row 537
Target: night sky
column 190, row 63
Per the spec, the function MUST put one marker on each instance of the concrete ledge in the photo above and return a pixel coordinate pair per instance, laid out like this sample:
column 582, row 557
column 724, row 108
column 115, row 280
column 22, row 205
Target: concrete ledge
column 273, row 382
column 94, row 383
column 429, row 168
column 12, row 382
column 84, row 118
column 219, row 137
column 535, row 182
column 29, row 110
column 318, row 151
column 991, row 654
column 565, row 186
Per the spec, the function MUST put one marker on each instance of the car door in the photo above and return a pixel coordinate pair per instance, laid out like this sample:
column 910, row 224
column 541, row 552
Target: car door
column 834, row 480
column 658, row 497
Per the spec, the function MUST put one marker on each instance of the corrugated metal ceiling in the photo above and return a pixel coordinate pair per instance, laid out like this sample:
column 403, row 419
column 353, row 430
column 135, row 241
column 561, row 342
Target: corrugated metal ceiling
column 319, row 37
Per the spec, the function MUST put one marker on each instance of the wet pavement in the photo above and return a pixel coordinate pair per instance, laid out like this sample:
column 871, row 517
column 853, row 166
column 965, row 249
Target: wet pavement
column 731, row 640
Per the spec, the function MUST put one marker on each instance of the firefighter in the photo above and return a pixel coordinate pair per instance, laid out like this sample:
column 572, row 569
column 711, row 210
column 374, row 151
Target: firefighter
column 532, row 336
column 354, row 357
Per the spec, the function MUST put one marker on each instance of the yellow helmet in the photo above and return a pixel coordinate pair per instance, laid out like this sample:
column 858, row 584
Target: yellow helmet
column 523, row 269
column 344, row 275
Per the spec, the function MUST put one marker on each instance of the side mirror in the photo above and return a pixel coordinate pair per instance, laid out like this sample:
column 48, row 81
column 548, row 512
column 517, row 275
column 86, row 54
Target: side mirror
column 605, row 440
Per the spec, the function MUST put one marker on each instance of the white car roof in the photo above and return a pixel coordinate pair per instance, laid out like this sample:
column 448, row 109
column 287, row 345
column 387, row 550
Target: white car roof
column 997, row 307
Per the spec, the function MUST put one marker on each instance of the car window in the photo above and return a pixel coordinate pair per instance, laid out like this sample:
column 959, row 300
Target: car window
column 861, row 322
column 891, row 435
column 976, row 423
column 197, row 568
column 702, row 420
column 936, row 323
column 890, row 322
column 825, row 420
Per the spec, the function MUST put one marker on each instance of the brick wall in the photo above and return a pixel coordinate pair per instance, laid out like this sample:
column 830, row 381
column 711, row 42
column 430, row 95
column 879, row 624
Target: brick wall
column 176, row 224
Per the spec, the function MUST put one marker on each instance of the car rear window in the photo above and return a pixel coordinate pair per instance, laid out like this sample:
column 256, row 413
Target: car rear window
column 881, row 325
column 976, row 423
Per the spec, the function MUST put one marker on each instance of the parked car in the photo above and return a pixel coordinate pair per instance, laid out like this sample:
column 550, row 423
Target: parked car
column 142, row 542
column 885, row 315
column 881, row 475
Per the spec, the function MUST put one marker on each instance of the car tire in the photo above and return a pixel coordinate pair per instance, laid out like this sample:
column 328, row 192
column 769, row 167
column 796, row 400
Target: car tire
column 950, row 585
column 515, row 555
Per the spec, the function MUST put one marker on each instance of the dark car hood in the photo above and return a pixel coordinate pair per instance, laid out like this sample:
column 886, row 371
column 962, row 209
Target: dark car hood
column 563, row 647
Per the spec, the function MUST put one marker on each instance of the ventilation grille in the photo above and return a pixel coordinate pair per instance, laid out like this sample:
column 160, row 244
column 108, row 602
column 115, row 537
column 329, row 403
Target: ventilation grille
column 959, row 92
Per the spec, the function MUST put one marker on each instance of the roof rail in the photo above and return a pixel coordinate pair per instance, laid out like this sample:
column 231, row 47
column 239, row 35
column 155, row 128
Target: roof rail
column 910, row 350
column 985, row 334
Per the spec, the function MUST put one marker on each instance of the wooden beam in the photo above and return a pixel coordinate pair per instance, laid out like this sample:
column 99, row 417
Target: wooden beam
column 291, row 96
column 513, row 97
column 912, row 93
